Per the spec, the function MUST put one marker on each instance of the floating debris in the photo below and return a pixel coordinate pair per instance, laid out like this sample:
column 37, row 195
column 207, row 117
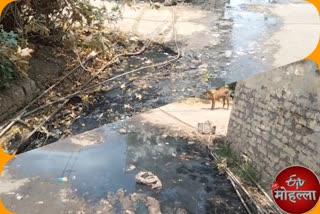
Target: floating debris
column 64, row 179
column 191, row 142
column 149, row 179
column 131, row 167
column 122, row 131
column 19, row 197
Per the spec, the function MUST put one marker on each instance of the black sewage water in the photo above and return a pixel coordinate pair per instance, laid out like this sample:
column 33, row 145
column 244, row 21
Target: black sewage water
column 189, row 179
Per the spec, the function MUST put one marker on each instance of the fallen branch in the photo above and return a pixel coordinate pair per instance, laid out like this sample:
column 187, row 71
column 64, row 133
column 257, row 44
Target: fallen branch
column 108, row 80
column 99, row 84
column 240, row 196
column 23, row 144
column 23, row 111
column 269, row 200
column 230, row 174
column 235, row 179
column 24, row 114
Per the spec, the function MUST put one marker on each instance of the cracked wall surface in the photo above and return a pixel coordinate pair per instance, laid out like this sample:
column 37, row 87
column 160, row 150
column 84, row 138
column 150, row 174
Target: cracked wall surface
column 275, row 119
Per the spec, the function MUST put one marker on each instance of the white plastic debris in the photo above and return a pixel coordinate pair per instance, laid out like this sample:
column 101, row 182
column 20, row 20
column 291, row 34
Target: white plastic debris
column 131, row 167
column 19, row 197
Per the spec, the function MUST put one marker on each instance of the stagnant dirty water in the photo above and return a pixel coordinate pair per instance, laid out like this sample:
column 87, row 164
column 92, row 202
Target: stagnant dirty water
column 235, row 50
column 236, row 47
column 95, row 171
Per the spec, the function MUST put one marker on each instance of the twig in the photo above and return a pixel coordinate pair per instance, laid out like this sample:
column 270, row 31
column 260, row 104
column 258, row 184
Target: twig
column 234, row 178
column 239, row 195
column 4, row 130
column 23, row 144
column 80, row 62
column 112, row 61
column 269, row 200
column 101, row 83
column 113, row 78
column 23, row 111
column 23, row 123
column 246, row 192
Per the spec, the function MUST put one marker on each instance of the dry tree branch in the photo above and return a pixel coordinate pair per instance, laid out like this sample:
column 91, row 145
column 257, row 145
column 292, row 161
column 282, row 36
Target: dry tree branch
column 23, row 144
column 23, row 111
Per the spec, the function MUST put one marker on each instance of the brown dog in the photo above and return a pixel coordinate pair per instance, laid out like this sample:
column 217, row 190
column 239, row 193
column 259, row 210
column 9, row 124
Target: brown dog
column 215, row 95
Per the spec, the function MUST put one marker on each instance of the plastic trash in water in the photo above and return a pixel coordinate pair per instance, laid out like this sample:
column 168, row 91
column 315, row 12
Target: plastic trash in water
column 64, row 179
column 19, row 197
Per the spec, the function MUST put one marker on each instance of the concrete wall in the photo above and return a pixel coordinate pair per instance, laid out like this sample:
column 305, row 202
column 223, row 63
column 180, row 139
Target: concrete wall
column 275, row 119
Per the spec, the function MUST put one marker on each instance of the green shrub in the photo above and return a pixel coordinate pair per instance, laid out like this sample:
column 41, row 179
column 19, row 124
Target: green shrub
column 8, row 71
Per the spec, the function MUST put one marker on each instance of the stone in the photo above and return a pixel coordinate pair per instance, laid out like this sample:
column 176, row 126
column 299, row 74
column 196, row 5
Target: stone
column 170, row 3
column 122, row 131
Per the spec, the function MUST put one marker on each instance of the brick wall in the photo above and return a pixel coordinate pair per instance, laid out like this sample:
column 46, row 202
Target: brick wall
column 275, row 119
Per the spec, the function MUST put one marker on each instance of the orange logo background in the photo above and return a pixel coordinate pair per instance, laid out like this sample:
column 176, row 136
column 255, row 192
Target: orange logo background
column 3, row 4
